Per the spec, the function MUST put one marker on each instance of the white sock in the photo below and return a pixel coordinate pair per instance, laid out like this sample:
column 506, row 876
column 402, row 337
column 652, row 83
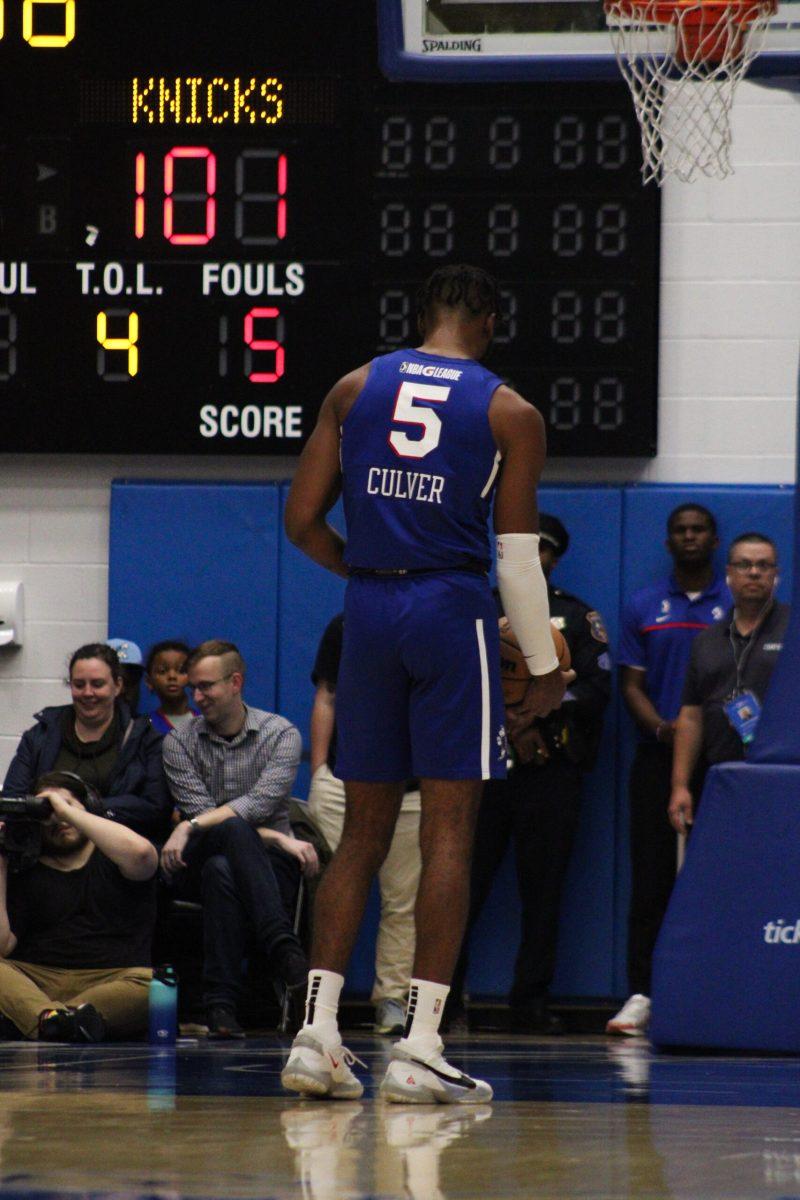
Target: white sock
column 322, row 1000
column 425, row 1008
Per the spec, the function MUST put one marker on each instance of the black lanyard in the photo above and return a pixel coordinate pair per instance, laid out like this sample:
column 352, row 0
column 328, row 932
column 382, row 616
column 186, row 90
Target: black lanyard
column 741, row 657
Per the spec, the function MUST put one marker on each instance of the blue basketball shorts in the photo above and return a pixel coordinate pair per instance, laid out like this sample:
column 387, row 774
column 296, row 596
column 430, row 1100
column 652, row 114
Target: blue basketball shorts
column 418, row 692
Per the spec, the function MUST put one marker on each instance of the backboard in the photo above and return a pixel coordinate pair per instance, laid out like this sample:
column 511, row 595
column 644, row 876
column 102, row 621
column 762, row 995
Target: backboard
column 500, row 40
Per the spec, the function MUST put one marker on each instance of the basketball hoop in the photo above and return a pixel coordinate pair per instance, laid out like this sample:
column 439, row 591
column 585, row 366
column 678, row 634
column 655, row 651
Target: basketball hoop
column 682, row 60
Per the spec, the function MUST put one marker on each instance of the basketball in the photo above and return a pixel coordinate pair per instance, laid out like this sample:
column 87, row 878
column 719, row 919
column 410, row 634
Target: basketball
column 514, row 672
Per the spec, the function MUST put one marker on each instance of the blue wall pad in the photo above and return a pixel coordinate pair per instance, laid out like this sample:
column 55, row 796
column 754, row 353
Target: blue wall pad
column 644, row 558
column 308, row 597
column 196, row 561
column 738, row 509
column 591, row 570
column 725, row 968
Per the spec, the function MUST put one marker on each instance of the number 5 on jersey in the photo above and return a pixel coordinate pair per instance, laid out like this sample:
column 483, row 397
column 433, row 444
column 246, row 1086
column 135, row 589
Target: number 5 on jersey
column 407, row 413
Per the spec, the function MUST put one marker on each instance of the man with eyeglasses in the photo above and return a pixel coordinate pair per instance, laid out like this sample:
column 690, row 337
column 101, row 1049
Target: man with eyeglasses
column 231, row 772
column 729, row 671
column 659, row 627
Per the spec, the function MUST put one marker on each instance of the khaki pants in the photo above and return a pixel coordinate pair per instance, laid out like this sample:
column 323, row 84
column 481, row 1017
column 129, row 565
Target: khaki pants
column 398, row 879
column 119, row 994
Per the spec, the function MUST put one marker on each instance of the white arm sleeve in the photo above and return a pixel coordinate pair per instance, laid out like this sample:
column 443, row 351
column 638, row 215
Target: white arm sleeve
column 523, row 590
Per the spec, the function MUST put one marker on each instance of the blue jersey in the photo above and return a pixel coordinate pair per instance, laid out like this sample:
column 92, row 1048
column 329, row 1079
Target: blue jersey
column 419, row 464
column 659, row 627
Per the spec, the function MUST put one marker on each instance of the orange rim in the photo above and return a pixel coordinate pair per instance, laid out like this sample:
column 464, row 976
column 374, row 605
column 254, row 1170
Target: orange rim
column 692, row 12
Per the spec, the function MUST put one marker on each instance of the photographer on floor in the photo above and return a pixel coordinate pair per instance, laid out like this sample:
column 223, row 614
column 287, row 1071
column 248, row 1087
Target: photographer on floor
column 77, row 910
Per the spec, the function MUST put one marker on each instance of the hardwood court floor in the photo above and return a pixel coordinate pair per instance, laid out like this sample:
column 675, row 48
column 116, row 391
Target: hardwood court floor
column 573, row 1117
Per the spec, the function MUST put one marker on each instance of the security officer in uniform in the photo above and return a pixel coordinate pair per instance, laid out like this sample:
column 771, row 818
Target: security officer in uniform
column 538, row 804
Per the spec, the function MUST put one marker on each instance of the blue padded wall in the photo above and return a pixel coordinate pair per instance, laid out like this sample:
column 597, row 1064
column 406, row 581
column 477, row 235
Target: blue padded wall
column 196, row 561
column 308, row 597
column 210, row 560
column 737, row 509
column 725, row 968
column 591, row 570
column 644, row 558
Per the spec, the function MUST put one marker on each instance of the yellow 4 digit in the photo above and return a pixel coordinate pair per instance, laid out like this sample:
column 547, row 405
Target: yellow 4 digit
column 45, row 39
column 118, row 343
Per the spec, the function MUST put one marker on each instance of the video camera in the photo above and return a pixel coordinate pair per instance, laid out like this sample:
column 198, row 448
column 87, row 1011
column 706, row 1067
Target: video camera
column 22, row 817
column 21, row 834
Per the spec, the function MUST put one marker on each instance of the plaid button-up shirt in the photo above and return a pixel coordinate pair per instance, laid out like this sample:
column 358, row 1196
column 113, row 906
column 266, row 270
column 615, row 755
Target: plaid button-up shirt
column 252, row 772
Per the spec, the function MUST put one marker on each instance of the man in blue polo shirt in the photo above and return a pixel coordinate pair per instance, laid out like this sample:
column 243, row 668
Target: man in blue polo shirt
column 661, row 621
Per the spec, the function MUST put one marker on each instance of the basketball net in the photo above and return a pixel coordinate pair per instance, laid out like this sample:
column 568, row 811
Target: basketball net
column 682, row 60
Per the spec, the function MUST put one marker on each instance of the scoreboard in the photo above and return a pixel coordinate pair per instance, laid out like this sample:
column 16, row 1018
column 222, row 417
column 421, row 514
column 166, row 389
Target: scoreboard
column 210, row 211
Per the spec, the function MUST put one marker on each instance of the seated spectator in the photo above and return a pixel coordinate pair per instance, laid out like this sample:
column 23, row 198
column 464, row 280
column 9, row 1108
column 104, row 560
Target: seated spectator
column 165, row 674
column 231, row 773
column 76, row 925
column 729, row 673
column 399, row 875
column 132, row 669
column 96, row 737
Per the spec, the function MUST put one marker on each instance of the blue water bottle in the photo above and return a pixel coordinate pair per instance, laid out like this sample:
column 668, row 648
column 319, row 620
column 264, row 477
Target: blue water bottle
column 163, row 1023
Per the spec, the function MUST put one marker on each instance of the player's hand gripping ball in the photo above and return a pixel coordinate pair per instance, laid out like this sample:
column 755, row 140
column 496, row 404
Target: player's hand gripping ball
column 514, row 672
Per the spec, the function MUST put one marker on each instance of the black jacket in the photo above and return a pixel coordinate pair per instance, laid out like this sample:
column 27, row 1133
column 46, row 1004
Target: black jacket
column 138, row 795
column 575, row 729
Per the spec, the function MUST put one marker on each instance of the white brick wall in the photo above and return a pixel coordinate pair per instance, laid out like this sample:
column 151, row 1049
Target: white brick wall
column 730, row 321
column 730, row 306
column 748, row 366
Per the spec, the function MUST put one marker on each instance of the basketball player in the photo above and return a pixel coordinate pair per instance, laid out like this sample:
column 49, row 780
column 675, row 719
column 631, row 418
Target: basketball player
column 417, row 441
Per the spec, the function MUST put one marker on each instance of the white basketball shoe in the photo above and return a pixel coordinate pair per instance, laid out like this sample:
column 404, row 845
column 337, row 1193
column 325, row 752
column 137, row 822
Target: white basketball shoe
column 419, row 1074
column 633, row 1018
column 319, row 1065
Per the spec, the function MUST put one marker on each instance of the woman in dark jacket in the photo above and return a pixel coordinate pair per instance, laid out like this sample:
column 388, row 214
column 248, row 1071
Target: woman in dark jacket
column 96, row 738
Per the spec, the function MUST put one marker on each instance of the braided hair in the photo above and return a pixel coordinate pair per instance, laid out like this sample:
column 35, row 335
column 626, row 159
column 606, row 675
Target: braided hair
column 459, row 287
